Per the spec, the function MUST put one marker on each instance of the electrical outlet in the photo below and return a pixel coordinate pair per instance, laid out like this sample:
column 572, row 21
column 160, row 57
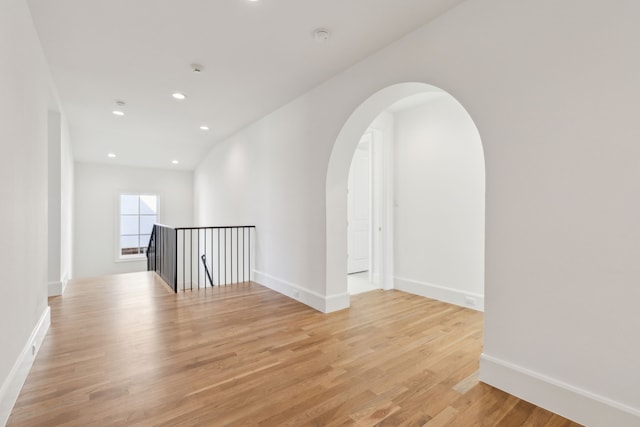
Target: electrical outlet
column 471, row 301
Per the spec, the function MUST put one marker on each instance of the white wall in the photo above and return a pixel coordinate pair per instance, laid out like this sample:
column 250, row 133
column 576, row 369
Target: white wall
column 439, row 202
column 553, row 89
column 261, row 177
column 54, row 205
column 60, row 203
column 97, row 190
column 67, row 185
column 383, row 130
column 24, row 315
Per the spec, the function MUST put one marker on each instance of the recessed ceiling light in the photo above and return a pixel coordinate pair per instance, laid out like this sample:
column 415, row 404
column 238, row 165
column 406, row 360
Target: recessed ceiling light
column 204, row 127
column 118, row 112
column 111, row 156
column 175, row 162
column 179, row 96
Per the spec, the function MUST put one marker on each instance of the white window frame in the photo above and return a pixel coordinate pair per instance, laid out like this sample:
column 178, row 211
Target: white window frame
column 134, row 257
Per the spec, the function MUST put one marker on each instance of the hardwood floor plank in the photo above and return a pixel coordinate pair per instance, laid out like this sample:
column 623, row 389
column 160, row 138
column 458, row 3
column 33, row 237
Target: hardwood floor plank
column 443, row 418
column 467, row 384
column 125, row 351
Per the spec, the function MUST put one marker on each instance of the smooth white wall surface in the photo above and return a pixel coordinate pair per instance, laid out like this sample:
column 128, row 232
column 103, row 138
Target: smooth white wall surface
column 24, row 103
column 382, row 129
column 262, row 177
column 439, row 202
column 553, row 89
column 60, row 203
column 67, row 185
column 97, row 191
column 54, row 204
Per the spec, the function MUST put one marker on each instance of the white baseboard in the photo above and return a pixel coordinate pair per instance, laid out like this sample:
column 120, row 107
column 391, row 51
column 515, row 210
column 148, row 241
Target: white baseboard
column 15, row 380
column 313, row 299
column 440, row 293
column 556, row 396
column 337, row 302
column 57, row 288
column 375, row 279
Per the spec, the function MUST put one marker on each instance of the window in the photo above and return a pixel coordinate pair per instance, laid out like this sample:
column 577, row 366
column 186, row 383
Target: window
column 138, row 213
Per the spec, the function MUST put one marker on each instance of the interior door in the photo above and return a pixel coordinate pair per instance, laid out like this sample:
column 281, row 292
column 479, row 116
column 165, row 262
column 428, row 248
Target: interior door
column 359, row 207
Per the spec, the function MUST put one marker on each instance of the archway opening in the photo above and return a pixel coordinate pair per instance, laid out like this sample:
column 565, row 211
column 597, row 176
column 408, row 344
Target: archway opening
column 426, row 199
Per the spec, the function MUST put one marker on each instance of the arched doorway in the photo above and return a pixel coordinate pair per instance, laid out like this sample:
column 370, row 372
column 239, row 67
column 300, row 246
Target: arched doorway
column 336, row 198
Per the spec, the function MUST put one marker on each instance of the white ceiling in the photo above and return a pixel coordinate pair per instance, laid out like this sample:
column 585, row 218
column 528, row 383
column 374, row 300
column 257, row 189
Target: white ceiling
column 257, row 56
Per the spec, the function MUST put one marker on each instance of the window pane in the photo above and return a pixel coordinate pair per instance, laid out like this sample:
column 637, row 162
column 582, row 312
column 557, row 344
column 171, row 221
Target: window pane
column 129, row 224
column 146, row 223
column 129, row 204
column 129, row 245
column 144, row 242
column 138, row 214
column 148, row 205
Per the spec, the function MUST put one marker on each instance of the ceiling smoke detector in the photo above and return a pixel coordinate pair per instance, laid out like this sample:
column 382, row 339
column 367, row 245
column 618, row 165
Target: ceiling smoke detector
column 321, row 35
column 197, row 68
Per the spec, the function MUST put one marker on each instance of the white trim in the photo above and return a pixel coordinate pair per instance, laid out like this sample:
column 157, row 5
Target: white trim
column 57, row 289
column 564, row 399
column 337, row 302
column 15, row 380
column 440, row 293
column 386, row 208
column 133, row 258
column 313, row 299
column 374, row 278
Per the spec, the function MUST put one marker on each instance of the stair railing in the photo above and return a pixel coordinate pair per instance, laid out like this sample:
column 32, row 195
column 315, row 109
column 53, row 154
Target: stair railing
column 197, row 257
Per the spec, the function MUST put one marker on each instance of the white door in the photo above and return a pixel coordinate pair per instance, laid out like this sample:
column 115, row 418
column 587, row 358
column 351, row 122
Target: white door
column 359, row 207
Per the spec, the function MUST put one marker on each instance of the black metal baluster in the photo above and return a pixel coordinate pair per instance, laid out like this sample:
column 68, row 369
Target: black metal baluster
column 225, row 257
column 184, row 265
column 160, row 256
column 212, row 255
column 237, row 255
column 243, row 249
column 175, row 260
column 155, row 252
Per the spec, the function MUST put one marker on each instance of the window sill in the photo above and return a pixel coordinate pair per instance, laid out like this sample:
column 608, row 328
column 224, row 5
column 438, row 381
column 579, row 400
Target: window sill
column 132, row 259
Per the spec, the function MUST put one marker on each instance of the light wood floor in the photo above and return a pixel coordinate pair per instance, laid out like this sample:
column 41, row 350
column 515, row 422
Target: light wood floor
column 123, row 350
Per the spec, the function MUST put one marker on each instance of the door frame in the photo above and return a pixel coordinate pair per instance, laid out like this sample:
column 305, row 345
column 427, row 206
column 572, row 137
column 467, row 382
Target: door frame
column 383, row 264
column 366, row 137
